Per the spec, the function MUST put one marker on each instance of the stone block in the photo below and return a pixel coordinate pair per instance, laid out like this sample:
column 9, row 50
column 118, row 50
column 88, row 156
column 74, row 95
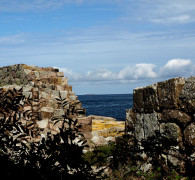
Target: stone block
column 37, row 75
column 27, row 94
column 51, row 74
column 42, row 124
column 27, row 71
column 63, row 94
column 187, row 96
column 58, row 113
column 18, row 81
column 60, row 74
column 172, row 115
column 78, row 105
column 43, row 95
column 55, row 93
column 27, row 88
column 145, row 100
column 48, row 90
column 4, row 70
column 85, row 121
column 98, row 140
column 47, row 112
column 50, row 86
column 171, row 132
column 43, row 74
column 31, row 76
column 169, row 92
column 146, row 125
column 151, row 124
column 189, row 135
column 175, row 159
column 68, row 88
column 59, row 88
column 64, row 81
column 73, row 98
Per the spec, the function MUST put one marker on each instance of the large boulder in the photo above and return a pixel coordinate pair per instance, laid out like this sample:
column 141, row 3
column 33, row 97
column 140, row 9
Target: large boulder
column 166, row 112
column 163, row 95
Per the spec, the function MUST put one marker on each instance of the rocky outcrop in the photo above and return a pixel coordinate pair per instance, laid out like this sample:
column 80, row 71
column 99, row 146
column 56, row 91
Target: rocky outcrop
column 168, row 108
column 105, row 129
column 43, row 86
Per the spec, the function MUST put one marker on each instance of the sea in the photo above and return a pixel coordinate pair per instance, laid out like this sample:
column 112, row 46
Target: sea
column 110, row 105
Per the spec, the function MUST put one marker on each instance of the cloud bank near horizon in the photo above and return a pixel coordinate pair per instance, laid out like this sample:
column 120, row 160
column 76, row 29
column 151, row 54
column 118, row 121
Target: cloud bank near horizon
column 133, row 73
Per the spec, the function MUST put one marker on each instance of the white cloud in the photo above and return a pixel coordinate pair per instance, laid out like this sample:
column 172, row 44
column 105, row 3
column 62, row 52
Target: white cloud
column 175, row 19
column 134, row 73
column 100, row 75
column 177, row 63
column 139, row 71
column 177, row 67
column 166, row 12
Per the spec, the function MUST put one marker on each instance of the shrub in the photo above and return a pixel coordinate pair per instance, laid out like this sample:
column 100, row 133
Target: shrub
column 54, row 157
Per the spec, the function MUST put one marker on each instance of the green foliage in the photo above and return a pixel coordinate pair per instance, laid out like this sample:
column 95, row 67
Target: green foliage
column 100, row 155
column 54, row 157
column 127, row 163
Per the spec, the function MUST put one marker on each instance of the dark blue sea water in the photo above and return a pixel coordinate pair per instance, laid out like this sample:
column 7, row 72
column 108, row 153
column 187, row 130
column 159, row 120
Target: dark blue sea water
column 111, row 105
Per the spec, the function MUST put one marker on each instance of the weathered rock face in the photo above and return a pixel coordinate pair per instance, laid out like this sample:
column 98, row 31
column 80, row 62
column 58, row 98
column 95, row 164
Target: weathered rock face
column 105, row 129
column 43, row 86
column 168, row 108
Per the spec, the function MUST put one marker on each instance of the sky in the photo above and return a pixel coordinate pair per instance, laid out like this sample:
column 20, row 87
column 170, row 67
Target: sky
column 102, row 46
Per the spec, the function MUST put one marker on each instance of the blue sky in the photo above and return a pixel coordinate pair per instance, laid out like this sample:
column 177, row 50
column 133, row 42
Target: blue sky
column 102, row 46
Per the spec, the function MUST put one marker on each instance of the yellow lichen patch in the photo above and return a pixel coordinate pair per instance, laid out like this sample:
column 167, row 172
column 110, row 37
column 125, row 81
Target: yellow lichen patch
column 108, row 128
column 28, row 67
column 59, row 80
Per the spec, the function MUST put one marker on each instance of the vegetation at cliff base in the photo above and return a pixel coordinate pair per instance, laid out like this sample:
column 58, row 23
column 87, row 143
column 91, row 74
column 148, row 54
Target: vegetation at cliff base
column 61, row 156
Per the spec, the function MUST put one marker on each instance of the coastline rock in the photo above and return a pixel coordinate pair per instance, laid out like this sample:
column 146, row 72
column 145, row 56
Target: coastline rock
column 105, row 129
column 166, row 109
column 103, row 118
column 43, row 86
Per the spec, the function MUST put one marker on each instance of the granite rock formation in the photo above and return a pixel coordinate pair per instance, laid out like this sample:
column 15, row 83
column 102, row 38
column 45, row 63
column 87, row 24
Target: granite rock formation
column 43, row 86
column 167, row 107
column 105, row 129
